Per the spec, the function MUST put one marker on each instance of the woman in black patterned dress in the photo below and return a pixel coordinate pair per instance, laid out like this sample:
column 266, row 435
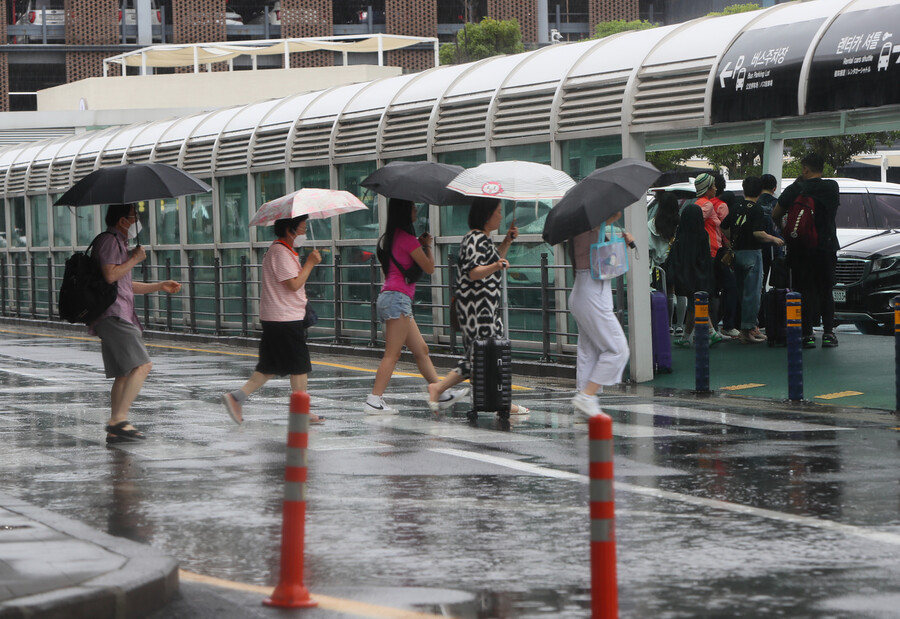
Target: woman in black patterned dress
column 478, row 290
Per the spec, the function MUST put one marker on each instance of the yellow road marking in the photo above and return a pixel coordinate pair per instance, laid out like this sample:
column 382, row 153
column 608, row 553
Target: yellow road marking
column 839, row 394
column 360, row 609
column 225, row 352
column 739, row 387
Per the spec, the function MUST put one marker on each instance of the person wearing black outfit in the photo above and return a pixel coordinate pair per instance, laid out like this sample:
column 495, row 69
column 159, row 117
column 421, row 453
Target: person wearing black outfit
column 767, row 201
column 813, row 268
column 746, row 222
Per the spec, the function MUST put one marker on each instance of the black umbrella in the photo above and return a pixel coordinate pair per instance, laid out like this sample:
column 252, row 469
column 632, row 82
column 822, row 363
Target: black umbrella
column 132, row 182
column 418, row 181
column 597, row 197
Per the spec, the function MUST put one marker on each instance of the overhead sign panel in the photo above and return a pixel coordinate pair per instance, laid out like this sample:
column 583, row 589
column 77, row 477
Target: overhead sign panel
column 758, row 76
column 857, row 62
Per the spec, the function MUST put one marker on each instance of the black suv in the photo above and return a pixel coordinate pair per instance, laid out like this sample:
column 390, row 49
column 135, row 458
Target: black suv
column 868, row 277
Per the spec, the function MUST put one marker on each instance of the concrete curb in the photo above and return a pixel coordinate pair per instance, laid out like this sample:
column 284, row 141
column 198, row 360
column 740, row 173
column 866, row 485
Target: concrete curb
column 144, row 580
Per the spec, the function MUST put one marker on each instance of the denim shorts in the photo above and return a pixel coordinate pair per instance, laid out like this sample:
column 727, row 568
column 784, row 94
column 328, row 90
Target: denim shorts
column 392, row 305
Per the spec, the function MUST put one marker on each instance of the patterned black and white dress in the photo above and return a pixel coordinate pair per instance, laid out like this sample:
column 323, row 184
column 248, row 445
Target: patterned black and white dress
column 477, row 301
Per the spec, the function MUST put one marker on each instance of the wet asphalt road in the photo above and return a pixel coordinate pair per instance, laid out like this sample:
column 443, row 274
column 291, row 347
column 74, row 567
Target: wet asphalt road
column 726, row 507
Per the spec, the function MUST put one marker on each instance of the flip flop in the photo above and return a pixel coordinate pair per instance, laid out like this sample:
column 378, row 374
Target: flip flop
column 119, row 434
column 317, row 421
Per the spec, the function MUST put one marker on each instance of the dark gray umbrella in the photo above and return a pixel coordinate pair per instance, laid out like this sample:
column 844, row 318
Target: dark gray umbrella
column 597, row 197
column 418, row 181
column 132, row 182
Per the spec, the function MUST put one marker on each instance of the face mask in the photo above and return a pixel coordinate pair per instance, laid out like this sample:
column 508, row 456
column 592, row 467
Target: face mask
column 134, row 230
column 299, row 240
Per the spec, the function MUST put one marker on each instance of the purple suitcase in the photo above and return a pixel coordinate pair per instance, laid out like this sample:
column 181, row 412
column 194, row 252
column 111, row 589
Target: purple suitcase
column 659, row 321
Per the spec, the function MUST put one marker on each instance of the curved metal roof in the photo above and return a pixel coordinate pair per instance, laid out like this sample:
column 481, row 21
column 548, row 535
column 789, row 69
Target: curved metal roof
column 701, row 75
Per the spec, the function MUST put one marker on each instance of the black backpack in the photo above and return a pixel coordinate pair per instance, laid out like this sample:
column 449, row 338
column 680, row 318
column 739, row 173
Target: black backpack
column 84, row 294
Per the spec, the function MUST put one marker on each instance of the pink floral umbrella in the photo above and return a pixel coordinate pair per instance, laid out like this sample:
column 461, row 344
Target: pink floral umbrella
column 317, row 203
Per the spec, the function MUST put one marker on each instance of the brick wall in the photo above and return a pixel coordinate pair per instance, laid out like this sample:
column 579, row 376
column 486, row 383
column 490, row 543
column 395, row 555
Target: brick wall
column 89, row 22
column 523, row 11
column 308, row 18
column 415, row 18
column 199, row 21
column 4, row 66
column 608, row 10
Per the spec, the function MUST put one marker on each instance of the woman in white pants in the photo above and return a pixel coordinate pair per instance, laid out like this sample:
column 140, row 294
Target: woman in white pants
column 602, row 346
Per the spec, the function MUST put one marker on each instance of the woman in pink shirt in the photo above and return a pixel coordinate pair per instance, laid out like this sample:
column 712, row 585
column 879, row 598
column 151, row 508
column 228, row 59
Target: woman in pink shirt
column 403, row 259
column 282, row 312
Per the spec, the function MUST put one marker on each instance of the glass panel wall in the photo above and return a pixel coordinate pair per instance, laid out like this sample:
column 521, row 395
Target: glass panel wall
column 17, row 217
column 199, row 218
column 269, row 185
column 203, row 309
column 40, row 233
column 85, row 224
column 359, row 224
column 4, row 240
column 62, row 224
column 172, row 270
column 581, row 157
column 233, row 290
column 454, row 219
column 168, row 228
column 233, row 210
column 318, row 176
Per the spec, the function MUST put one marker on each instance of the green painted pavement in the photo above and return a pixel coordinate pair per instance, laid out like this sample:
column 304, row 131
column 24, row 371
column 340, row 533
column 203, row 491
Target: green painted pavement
column 863, row 363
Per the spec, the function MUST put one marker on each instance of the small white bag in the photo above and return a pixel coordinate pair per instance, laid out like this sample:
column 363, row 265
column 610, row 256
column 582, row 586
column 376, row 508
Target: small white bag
column 609, row 259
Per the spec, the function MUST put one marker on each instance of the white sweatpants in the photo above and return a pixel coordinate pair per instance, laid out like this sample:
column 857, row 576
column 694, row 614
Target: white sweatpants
column 602, row 346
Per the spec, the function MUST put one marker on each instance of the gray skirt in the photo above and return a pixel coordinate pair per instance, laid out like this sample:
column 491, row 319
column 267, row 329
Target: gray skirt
column 122, row 346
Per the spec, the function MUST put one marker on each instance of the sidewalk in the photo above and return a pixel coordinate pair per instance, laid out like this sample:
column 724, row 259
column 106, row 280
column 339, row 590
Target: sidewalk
column 52, row 566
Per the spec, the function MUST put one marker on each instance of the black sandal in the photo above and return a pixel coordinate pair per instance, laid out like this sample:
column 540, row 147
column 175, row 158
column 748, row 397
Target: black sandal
column 118, row 433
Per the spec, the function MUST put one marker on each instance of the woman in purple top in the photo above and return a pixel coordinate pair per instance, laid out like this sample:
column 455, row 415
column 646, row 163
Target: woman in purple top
column 403, row 259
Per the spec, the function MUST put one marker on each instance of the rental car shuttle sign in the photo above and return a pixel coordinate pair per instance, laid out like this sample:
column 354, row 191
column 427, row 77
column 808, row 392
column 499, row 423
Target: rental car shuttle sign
column 857, row 62
column 759, row 75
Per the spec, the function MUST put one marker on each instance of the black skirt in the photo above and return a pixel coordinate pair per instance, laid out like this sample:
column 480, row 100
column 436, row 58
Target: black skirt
column 282, row 349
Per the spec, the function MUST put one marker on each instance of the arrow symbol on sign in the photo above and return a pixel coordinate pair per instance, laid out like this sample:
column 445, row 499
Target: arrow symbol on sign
column 726, row 73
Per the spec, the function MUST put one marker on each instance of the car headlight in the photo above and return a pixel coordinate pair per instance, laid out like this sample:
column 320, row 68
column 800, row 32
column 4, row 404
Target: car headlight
column 884, row 263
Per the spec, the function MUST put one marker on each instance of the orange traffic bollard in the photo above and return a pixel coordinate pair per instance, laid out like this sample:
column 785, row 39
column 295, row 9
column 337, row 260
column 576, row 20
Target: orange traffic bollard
column 604, row 588
column 291, row 592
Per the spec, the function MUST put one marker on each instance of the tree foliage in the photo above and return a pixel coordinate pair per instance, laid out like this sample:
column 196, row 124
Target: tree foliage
column 489, row 37
column 736, row 8
column 607, row 28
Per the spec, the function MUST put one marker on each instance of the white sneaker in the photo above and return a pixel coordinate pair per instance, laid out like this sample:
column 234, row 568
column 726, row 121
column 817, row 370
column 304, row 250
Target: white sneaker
column 451, row 396
column 730, row 332
column 380, row 409
column 586, row 404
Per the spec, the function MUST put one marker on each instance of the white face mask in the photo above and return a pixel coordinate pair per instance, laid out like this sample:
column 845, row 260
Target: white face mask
column 134, row 230
column 299, row 240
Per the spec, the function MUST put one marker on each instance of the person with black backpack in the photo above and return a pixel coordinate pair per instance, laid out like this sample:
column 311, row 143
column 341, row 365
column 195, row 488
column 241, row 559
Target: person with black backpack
column 806, row 213
column 404, row 258
column 125, row 357
column 746, row 223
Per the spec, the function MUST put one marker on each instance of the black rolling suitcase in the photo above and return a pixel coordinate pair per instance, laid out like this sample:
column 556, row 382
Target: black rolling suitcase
column 491, row 377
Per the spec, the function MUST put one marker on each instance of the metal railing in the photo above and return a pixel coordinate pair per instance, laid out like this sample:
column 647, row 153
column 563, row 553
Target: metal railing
column 223, row 300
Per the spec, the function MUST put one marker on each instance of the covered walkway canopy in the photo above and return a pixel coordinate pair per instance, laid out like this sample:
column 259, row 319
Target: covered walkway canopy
column 196, row 54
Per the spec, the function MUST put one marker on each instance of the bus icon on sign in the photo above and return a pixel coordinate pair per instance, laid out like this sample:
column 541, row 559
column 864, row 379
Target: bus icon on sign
column 739, row 83
column 884, row 59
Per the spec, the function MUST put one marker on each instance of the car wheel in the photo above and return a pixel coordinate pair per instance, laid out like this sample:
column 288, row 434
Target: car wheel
column 873, row 328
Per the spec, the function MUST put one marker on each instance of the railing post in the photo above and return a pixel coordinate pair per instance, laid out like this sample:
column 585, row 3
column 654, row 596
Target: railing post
column 145, row 273
column 794, row 313
column 451, row 284
column 701, row 342
column 545, row 308
column 32, row 285
column 217, row 293
column 3, row 289
column 338, row 306
column 245, row 302
column 373, row 299
column 50, row 287
column 17, row 286
column 169, row 297
column 192, row 295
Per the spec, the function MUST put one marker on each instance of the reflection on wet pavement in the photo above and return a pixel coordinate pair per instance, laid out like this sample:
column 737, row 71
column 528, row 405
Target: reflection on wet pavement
column 725, row 508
